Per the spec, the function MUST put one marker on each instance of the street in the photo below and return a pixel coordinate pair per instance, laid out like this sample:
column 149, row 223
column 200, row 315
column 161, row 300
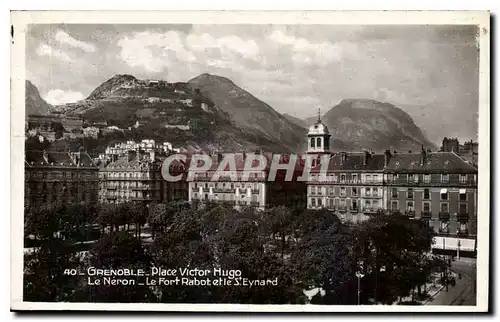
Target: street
column 464, row 291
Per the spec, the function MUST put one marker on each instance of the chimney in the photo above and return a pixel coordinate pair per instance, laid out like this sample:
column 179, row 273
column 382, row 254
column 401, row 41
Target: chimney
column 366, row 157
column 343, row 157
column 423, row 156
column 387, row 157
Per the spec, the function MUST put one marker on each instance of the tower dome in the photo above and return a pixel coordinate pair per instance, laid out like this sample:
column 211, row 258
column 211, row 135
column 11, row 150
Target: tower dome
column 318, row 128
column 318, row 137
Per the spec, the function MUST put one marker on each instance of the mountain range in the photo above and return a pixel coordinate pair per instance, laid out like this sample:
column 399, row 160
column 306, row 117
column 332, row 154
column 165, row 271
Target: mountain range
column 211, row 112
column 35, row 104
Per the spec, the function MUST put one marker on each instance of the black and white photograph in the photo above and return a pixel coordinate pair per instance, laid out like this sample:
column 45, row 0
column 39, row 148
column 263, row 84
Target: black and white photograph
column 222, row 161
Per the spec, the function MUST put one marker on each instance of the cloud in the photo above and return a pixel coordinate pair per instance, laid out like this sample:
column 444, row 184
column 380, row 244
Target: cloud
column 46, row 50
column 58, row 96
column 65, row 38
column 154, row 51
column 305, row 52
column 228, row 45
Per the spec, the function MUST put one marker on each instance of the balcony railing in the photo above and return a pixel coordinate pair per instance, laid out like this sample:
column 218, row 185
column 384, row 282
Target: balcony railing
column 425, row 214
column 144, row 188
column 462, row 217
column 444, row 216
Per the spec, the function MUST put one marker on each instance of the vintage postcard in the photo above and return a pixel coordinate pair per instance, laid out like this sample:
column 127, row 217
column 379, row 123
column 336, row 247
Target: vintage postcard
column 250, row 161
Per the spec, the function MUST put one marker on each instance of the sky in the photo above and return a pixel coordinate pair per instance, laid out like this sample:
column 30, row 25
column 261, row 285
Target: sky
column 429, row 71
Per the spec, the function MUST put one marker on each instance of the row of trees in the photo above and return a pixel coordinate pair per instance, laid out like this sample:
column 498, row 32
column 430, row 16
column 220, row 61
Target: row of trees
column 304, row 249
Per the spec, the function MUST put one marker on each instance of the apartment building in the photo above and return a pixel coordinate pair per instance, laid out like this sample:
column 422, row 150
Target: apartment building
column 437, row 187
column 352, row 187
column 59, row 177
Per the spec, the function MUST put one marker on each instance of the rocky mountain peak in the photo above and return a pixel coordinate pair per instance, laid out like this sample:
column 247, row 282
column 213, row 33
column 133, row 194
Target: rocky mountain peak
column 35, row 104
column 111, row 85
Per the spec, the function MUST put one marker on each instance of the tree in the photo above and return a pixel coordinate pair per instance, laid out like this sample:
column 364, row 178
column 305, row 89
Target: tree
column 55, row 231
column 118, row 250
column 44, row 277
column 324, row 258
column 400, row 246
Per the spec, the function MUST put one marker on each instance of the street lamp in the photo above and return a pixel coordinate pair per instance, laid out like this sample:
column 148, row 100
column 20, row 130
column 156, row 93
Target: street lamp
column 359, row 275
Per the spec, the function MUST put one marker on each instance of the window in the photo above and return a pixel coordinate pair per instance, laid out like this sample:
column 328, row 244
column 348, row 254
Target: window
column 331, row 191
column 444, row 207
column 462, row 208
column 355, row 177
column 375, row 203
column 462, row 178
column 367, row 204
column 445, row 178
column 354, row 204
column 426, row 194
column 395, row 193
column 320, row 190
column 342, row 203
column 354, row 191
column 463, row 226
column 368, row 178
column 444, row 195
column 427, row 178
column 395, row 178
column 463, row 196
column 410, row 206
column 426, row 207
column 394, row 205
column 410, row 193
column 342, row 191
column 375, row 192
column 318, row 142
column 313, row 145
column 368, row 192
column 342, row 178
column 313, row 202
column 331, row 204
column 411, row 177
column 320, row 203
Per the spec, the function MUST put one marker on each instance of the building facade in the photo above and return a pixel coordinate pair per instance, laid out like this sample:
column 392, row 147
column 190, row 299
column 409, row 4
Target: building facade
column 59, row 177
column 437, row 187
column 134, row 177
column 352, row 186
column 253, row 191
